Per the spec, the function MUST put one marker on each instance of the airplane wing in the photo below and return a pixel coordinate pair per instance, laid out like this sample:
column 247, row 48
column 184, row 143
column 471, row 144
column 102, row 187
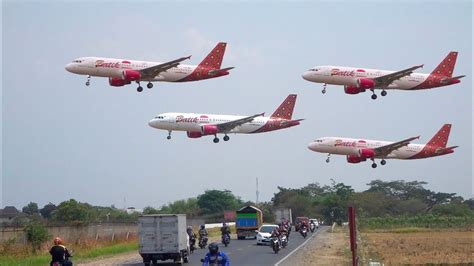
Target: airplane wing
column 384, row 81
column 153, row 71
column 228, row 126
column 387, row 149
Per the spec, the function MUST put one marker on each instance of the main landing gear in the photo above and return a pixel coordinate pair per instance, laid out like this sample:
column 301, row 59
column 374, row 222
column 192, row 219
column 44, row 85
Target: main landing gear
column 140, row 88
column 384, row 93
column 324, row 88
column 88, row 82
column 149, row 85
column 382, row 162
column 169, row 135
column 216, row 139
column 328, row 159
column 226, row 138
column 374, row 96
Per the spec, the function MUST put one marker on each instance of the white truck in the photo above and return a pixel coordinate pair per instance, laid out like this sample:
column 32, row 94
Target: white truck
column 163, row 237
column 283, row 214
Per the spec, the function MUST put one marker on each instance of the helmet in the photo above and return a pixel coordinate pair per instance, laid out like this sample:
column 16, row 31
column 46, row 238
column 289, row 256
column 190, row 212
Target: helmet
column 213, row 248
column 57, row 241
column 203, row 226
column 190, row 228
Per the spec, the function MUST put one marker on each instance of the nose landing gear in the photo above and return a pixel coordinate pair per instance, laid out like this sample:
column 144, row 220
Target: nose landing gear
column 328, row 159
column 324, row 88
column 88, row 82
column 169, row 135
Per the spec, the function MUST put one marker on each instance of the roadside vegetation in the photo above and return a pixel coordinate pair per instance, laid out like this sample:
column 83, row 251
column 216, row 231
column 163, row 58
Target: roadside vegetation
column 394, row 207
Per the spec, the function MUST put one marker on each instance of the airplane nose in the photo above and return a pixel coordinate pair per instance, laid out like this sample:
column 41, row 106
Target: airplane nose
column 306, row 75
column 68, row 67
column 312, row 146
column 151, row 123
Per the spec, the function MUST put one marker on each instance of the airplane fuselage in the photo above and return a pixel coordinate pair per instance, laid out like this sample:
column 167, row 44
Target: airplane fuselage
column 113, row 68
column 192, row 122
column 348, row 76
column 351, row 147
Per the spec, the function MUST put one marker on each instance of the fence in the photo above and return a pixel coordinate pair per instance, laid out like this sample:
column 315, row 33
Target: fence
column 76, row 234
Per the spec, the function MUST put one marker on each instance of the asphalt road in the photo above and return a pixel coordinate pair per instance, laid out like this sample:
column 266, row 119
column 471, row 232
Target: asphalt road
column 246, row 252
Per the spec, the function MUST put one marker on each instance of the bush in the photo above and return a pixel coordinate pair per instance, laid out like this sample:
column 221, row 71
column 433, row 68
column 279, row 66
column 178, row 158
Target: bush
column 36, row 233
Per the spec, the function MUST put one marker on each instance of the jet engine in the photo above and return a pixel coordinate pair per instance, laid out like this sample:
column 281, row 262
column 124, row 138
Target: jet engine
column 354, row 159
column 131, row 75
column 209, row 130
column 118, row 82
column 353, row 90
column 194, row 135
column 365, row 83
column 366, row 153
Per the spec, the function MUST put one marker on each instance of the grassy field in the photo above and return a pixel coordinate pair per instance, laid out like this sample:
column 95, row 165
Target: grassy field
column 417, row 246
column 80, row 254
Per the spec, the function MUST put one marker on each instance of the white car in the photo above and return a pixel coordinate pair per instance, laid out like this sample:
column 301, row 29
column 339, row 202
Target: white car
column 264, row 234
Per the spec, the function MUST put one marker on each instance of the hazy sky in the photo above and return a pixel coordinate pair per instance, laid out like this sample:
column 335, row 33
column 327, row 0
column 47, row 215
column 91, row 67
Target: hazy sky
column 63, row 140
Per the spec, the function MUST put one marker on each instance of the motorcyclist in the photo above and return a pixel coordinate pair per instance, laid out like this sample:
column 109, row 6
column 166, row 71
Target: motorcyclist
column 276, row 233
column 59, row 252
column 215, row 257
column 192, row 236
column 283, row 229
column 225, row 230
column 312, row 225
column 202, row 232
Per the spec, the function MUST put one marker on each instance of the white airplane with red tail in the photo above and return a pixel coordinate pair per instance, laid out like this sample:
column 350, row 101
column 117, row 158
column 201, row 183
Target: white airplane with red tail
column 359, row 150
column 122, row 72
column 357, row 80
column 198, row 125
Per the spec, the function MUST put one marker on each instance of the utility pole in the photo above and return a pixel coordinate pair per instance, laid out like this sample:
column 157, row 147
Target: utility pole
column 256, row 192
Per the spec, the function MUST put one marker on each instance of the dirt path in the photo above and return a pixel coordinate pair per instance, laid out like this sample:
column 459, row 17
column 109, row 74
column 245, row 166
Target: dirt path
column 125, row 258
column 326, row 248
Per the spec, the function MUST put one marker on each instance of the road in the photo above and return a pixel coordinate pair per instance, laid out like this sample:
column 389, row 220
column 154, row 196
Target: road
column 245, row 252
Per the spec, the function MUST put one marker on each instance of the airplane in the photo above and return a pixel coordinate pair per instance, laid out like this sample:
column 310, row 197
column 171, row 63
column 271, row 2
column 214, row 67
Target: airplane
column 122, row 72
column 359, row 150
column 199, row 125
column 357, row 80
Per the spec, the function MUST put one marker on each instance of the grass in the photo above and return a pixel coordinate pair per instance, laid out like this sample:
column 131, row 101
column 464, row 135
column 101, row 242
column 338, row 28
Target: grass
column 80, row 254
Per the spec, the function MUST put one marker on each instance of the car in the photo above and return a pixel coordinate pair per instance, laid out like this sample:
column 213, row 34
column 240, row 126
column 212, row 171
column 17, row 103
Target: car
column 264, row 234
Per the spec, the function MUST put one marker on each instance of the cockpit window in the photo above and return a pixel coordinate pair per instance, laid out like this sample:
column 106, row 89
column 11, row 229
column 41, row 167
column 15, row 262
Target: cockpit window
column 77, row 61
column 314, row 69
column 318, row 140
column 159, row 117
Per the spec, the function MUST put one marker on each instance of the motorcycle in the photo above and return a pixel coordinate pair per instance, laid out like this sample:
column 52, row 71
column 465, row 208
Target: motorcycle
column 66, row 262
column 275, row 244
column 304, row 232
column 312, row 226
column 284, row 241
column 225, row 239
column 192, row 244
column 202, row 241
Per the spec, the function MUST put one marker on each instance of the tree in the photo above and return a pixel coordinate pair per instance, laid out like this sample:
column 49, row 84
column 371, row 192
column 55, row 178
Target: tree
column 73, row 211
column 217, row 201
column 31, row 208
column 47, row 210
column 150, row 210
column 36, row 234
column 335, row 202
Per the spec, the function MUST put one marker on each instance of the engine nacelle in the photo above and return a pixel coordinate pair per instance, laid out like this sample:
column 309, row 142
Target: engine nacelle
column 354, row 159
column 353, row 90
column 366, row 153
column 118, row 82
column 194, row 135
column 131, row 75
column 209, row 130
column 365, row 83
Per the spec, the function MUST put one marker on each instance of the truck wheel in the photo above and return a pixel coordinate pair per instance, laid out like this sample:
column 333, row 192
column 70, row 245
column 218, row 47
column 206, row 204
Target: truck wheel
column 185, row 259
column 154, row 262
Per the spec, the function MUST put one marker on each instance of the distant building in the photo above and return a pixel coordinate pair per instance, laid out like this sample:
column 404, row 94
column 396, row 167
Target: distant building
column 131, row 210
column 8, row 214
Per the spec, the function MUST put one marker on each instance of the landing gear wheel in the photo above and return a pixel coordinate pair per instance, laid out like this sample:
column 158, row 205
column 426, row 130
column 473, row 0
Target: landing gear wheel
column 216, row 140
column 149, row 85
column 374, row 96
column 374, row 165
column 327, row 160
column 168, row 137
column 383, row 162
column 383, row 93
column 226, row 138
column 88, row 83
column 324, row 91
column 140, row 89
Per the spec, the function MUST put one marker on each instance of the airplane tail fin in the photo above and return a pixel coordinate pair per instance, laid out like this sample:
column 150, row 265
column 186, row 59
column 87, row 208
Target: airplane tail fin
column 214, row 58
column 285, row 110
column 446, row 67
column 440, row 140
